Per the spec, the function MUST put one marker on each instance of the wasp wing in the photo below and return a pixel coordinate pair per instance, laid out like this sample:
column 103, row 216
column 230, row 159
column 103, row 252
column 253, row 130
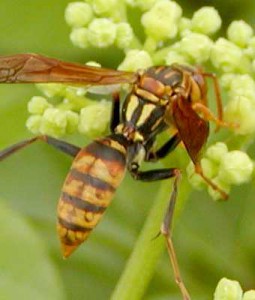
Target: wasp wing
column 193, row 130
column 28, row 68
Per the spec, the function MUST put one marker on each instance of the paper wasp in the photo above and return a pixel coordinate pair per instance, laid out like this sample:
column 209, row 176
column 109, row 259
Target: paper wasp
column 160, row 97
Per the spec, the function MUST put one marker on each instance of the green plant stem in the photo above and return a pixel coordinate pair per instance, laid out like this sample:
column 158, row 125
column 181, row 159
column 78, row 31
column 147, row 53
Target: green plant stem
column 142, row 262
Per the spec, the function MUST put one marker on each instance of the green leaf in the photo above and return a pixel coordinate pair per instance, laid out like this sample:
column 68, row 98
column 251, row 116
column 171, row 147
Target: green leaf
column 26, row 271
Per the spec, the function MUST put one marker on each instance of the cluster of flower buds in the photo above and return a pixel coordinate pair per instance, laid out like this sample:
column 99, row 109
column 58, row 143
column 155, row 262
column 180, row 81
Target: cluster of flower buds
column 169, row 38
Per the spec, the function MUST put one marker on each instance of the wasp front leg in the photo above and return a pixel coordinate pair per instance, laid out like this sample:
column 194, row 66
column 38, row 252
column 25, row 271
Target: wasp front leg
column 65, row 147
column 165, row 149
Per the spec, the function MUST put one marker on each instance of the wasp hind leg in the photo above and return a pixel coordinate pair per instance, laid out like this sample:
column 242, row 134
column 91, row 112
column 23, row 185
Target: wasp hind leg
column 165, row 229
column 65, row 147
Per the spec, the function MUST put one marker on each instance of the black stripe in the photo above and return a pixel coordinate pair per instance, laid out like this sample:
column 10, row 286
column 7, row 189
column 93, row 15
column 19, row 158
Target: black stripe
column 73, row 227
column 82, row 204
column 137, row 113
column 157, row 113
column 92, row 181
column 106, row 152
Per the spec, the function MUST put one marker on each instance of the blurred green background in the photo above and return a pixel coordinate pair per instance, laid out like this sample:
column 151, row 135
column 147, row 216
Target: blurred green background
column 212, row 239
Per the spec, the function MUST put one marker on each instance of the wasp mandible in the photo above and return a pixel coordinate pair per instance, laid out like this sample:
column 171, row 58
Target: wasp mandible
column 160, row 97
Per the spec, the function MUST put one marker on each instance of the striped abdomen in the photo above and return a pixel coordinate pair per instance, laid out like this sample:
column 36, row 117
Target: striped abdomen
column 96, row 172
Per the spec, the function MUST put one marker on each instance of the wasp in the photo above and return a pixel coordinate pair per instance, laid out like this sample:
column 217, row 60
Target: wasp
column 160, row 97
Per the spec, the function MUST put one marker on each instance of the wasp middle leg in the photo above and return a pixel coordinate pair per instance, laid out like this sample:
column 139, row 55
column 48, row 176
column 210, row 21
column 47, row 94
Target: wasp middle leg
column 65, row 147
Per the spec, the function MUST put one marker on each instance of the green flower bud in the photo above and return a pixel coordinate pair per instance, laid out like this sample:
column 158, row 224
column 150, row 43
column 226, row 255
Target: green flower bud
column 79, row 37
column 184, row 26
column 78, row 14
column 52, row 89
column 214, row 194
column 33, row 123
column 249, row 295
column 37, row 105
column 216, row 152
column 241, row 110
column 101, row 32
column 228, row 57
column 206, row 20
column 72, row 120
column 196, row 46
column 250, row 50
column 136, row 59
column 101, row 7
column 228, row 290
column 124, row 35
column 175, row 57
column 226, row 80
column 236, row 167
column 161, row 21
column 142, row 4
column 239, row 32
column 242, row 85
column 94, row 119
column 53, row 122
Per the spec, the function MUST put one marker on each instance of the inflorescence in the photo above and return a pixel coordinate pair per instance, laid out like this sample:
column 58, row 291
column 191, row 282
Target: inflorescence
column 169, row 38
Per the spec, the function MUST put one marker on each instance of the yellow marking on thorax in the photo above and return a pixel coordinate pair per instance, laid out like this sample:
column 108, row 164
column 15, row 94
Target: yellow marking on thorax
column 145, row 114
column 131, row 107
column 146, row 95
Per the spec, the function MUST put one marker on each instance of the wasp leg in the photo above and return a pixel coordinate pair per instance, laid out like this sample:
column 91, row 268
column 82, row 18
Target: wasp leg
column 165, row 229
column 60, row 145
column 115, row 114
column 217, row 93
column 164, row 150
column 199, row 171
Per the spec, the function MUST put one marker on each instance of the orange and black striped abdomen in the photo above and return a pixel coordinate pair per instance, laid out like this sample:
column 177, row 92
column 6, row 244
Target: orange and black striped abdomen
column 96, row 172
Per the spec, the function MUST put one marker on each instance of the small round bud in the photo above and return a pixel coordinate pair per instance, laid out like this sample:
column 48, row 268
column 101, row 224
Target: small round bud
column 250, row 50
column 249, row 295
column 33, row 123
column 78, row 14
column 196, row 46
column 216, row 152
column 239, row 32
column 52, row 89
column 175, row 57
column 228, row 57
column 79, row 37
column 228, row 289
column 161, row 21
column 37, row 105
column 142, row 4
column 136, row 59
column 236, row 167
column 53, row 122
column 101, row 7
column 241, row 110
column 94, row 119
column 206, row 20
column 101, row 33
column 184, row 26
column 242, row 85
column 124, row 35
column 72, row 120
column 226, row 80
